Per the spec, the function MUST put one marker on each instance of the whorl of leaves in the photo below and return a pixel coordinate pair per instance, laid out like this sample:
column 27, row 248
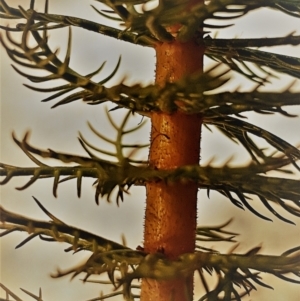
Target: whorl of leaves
column 238, row 274
column 126, row 171
column 237, row 54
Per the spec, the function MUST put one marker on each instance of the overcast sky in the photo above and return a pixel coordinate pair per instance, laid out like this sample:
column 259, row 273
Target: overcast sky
column 21, row 110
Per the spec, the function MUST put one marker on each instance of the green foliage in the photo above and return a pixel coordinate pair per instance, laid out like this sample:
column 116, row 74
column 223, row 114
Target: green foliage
column 127, row 172
column 237, row 274
column 123, row 264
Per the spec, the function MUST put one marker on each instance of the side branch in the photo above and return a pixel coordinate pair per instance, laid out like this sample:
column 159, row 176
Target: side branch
column 123, row 174
column 60, row 21
column 56, row 230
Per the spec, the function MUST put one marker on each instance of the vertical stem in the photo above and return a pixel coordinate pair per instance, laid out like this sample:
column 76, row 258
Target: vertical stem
column 170, row 217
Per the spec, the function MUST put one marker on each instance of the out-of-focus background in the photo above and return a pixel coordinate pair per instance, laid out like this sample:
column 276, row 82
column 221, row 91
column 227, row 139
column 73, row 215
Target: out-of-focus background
column 21, row 110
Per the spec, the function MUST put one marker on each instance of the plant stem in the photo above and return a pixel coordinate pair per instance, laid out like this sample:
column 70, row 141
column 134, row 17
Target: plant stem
column 171, row 208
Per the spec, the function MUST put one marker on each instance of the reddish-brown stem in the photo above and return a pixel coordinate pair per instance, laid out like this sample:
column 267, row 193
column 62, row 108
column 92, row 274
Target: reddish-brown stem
column 170, row 217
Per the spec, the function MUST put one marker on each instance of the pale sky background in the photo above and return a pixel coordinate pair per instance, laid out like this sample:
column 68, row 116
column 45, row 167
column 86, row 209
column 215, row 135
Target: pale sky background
column 21, row 110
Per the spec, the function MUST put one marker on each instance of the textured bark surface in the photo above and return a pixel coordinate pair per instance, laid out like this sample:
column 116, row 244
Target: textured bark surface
column 170, row 217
